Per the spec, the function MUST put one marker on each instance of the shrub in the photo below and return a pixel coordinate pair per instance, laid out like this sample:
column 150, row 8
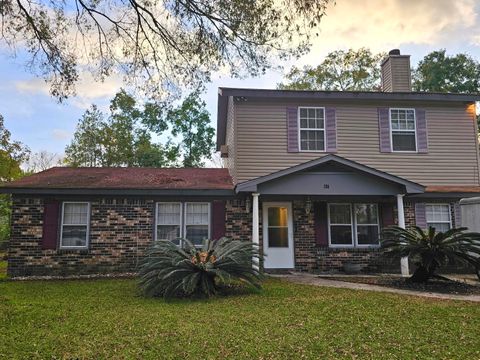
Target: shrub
column 169, row 270
column 430, row 249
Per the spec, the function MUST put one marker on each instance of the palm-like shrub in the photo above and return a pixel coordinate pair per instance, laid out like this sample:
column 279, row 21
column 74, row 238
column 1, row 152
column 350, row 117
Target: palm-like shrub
column 430, row 249
column 170, row 271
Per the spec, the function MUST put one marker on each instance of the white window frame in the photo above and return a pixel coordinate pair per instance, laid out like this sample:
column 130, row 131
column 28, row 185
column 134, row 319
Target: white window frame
column 351, row 227
column 87, row 240
column 156, row 216
column 449, row 222
column 353, row 224
column 403, row 130
column 357, row 224
column 313, row 129
column 185, row 218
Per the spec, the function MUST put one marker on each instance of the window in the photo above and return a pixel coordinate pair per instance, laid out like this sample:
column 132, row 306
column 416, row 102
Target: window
column 311, row 128
column 340, row 217
column 402, row 127
column 278, row 227
column 183, row 220
column 366, row 222
column 197, row 222
column 75, row 223
column 169, row 220
column 438, row 216
column 358, row 229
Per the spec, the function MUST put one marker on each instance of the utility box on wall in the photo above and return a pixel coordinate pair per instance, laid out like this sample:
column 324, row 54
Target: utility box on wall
column 470, row 208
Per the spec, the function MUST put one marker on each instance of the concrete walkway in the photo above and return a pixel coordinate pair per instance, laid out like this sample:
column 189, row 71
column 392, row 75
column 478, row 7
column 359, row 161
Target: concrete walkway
column 311, row 279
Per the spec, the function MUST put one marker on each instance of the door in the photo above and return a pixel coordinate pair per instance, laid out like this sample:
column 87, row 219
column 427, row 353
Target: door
column 278, row 236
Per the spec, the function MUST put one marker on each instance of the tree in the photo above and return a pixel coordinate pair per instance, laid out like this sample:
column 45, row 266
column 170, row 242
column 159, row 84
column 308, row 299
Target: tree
column 12, row 155
column 352, row 70
column 191, row 121
column 438, row 72
column 167, row 43
column 430, row 249
column 121, row 138
column 42, row 160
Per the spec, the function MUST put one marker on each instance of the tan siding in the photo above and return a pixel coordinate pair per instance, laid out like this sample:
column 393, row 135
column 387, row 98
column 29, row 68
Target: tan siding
column 230, row 140
column 401, row 74
column 452, row 158
column 387, row 76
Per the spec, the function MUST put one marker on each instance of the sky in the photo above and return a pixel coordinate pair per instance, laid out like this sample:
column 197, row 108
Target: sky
column 416, row 27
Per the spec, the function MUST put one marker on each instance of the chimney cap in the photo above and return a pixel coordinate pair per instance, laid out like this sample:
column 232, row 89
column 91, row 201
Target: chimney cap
column 394, row 52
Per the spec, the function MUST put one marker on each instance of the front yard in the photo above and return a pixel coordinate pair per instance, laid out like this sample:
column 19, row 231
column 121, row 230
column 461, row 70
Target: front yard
column 109, row 319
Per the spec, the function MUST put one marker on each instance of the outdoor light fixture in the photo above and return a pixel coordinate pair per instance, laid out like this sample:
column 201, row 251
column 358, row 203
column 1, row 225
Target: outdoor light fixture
column 247, row 205
column 308, row 206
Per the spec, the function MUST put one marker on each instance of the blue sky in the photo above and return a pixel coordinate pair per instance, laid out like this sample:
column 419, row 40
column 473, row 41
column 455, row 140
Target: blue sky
column 417, row 27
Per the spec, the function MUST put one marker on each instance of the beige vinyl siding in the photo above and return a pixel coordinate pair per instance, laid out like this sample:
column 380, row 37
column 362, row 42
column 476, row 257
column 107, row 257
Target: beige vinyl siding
column 387, row 76
column 401, row 74
column 261, row 147
column 230, row 140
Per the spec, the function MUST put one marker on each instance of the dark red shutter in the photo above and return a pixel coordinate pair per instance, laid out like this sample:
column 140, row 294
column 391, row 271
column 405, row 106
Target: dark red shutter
column 51, row 213
column 321, row 223
column 386, row 213
column 218, row 219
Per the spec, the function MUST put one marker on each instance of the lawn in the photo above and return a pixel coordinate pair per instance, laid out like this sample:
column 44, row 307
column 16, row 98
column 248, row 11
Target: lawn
column 109, row 319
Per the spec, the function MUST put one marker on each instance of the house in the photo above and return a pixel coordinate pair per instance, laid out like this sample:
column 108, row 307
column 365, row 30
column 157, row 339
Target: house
column 311, row 176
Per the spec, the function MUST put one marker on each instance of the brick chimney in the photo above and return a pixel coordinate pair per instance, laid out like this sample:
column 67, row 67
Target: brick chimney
column 396, row 73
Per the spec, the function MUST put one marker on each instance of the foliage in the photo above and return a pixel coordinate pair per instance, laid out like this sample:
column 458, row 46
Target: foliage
column 121, row 139
column 352, row 70
column 431, row 249
column 12, row 154
column 107, row 319
column 172, row 271
column 192, row 121
column 167, row 43
column 438, row 72
column 42, row 160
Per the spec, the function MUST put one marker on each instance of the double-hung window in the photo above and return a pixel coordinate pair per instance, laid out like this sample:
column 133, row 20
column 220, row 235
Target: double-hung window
column 311, row 128
column 183, row 220
column 359, row 227
column 403, row 130
column 438, row 216
column 75, row 225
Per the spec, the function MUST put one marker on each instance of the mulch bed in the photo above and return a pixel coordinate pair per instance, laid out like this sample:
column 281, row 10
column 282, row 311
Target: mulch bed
column 434, row 285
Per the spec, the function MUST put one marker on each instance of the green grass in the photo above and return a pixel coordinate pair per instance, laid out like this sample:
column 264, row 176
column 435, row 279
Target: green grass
column 3, row 268
column 99, row 319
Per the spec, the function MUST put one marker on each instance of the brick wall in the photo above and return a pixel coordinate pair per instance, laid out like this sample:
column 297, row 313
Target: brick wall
column 120, row 230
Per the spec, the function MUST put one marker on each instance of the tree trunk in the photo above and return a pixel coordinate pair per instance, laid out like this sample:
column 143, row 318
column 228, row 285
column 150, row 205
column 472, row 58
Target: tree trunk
column 421, row 275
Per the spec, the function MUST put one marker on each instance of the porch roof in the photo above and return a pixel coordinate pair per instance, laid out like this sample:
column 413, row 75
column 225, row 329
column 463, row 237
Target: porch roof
column 330, row 175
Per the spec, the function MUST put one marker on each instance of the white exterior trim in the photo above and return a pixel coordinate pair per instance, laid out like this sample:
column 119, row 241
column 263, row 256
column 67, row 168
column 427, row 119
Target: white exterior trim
column 87, row 235
column 185, row 218
column 156, row 217
column 313, row 129
column 403, row 130
column 449, row 222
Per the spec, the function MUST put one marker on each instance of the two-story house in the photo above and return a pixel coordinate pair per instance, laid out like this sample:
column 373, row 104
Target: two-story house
column 312, row 177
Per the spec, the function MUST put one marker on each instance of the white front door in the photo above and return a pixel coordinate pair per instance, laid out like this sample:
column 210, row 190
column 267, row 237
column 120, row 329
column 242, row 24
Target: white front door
column 278, row 235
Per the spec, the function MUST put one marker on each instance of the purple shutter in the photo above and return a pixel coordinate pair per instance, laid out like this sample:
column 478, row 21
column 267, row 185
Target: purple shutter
column 292, row 129
column 331, row 130
column 384, row 130
column 422, row 137
column 420, row 215
column 218, row 219
column 320, row 223
column 457, row 209
column 51, row 212
column 386, row 212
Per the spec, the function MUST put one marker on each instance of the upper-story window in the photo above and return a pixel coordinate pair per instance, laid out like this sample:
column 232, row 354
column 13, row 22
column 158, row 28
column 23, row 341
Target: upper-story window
column 311, row 128
column 403, row 129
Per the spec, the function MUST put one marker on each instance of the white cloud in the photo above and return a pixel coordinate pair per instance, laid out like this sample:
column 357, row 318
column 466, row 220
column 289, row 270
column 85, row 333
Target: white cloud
column 59, row 134
column 88, row 89
column 385, row 24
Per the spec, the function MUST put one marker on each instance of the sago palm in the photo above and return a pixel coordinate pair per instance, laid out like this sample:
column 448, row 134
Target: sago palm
column 172, row 271
column 431, row 249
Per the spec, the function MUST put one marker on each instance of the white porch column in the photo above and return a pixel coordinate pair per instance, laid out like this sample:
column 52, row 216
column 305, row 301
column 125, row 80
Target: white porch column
column 255, row 227
column 401, row 223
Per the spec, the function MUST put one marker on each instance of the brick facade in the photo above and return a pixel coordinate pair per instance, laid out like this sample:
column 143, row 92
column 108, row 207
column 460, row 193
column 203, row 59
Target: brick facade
column 121, row 229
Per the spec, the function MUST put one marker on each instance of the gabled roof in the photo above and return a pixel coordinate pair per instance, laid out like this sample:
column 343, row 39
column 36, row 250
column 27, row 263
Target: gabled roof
column 251, row 185
column 307, row 95
column 122, row 180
